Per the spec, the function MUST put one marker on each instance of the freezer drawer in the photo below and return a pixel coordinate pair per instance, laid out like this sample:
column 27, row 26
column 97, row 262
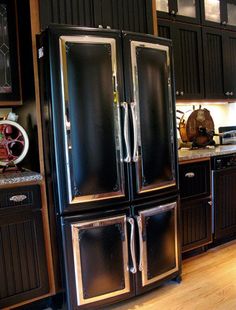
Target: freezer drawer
column 97, row 260
column 158, row 243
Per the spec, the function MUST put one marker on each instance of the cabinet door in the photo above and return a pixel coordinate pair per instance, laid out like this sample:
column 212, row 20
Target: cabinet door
column 188, row 61
column 131, row 15
column 182, row 10
column 158, row 243
column 214, row 67
column 150, row 93
column 74, row 12
column 229, row 47
column 9, row 62
column 97, row 260
column 196, row 222
column 219, row 13
column 224, row 201
column 23, row 267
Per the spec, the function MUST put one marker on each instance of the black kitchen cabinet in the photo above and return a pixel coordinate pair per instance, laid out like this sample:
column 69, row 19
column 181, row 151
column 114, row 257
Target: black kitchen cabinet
column 23, row 265
column 10, row 90
column 131, row 15
column 23, row 268
column 219, row 13
column 181, row 10
column 224, row 181
column 196, row 205
column 219, row 63
column 196, row 223
column 187, row 58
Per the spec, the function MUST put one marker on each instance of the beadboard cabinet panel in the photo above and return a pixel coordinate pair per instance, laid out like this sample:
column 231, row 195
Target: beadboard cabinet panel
column 131, row 15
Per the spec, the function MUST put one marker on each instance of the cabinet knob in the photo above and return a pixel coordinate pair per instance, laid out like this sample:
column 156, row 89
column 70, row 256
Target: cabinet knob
column 181, row 93
column 108, row 27
column 227, row 93
column 189, row 175
column 172, row 12
column 177, row 93
column 231, row 93
column 224, row 22
column 100, row 26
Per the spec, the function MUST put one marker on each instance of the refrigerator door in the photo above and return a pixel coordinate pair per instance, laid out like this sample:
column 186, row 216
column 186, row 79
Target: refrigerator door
column 87, row 117
column 149, row 85
column 158, row 244
column 97, row 256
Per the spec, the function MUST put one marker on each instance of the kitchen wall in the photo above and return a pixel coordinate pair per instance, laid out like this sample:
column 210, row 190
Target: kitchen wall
column 223, row 114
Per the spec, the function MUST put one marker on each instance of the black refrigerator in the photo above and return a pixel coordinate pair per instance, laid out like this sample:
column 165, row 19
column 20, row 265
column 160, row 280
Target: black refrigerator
column 108, row 116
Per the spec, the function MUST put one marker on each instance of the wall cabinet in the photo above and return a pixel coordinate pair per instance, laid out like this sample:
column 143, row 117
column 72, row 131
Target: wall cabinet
column 219, row 13
column 219, row 63
column 132, row 15
column 23, row 267
column 9, row 62
column 196, row 206
column 187, row 57
column 182, row 10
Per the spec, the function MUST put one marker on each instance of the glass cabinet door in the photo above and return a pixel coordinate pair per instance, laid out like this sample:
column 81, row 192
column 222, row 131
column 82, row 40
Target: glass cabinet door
column 231, row 13
column 162, row 5
column 212, row 11
column 187, row 8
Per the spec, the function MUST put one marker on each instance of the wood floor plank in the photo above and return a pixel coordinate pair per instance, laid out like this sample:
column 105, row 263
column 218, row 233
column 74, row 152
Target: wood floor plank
column 209, row 283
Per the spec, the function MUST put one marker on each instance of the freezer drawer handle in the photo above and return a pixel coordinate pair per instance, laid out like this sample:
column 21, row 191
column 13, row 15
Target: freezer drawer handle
column 139, row 221
column 135, row 128
column 127, row 159
column 132, row 245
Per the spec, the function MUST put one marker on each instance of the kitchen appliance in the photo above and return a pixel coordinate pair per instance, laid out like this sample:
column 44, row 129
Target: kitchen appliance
column 197, row 126
column 108, row 116
column 224, row 195
column 227, row 135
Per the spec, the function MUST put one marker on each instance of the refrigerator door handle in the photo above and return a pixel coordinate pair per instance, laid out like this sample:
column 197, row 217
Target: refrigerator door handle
column 127, row 159
column 132, row 246
column 135, row 128
column 139, row 221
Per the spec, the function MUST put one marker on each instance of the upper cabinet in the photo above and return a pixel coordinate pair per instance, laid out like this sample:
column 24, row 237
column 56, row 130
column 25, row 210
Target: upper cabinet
column 131, row 15
column 10, row 93
column 182, row 10
column 219, row 13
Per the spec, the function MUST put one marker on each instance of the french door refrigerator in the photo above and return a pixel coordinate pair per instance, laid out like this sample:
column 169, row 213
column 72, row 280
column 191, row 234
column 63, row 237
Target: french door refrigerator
column 108, row 116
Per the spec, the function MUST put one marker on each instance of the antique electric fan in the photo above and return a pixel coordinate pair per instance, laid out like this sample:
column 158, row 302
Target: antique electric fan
column 197, row 127
column 14, row 143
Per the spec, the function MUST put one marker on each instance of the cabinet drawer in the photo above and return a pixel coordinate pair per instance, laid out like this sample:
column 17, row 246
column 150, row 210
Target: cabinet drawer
column 20, row 198
column 195, row 179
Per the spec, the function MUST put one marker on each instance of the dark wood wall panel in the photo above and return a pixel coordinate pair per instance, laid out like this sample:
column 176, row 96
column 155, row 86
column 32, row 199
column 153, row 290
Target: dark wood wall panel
column 131, row 15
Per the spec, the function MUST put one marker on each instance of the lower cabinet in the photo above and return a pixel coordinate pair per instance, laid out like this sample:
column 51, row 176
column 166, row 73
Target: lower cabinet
column 118, row 256
column 196, row 216
column 23, row 267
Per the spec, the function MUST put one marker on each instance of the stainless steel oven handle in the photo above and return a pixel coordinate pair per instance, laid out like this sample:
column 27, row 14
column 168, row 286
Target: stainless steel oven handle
column 135, row 128
column 127, row 159
column 132, row 245
column 139, row 221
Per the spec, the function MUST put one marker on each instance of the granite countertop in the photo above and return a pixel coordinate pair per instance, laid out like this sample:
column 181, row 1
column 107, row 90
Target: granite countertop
column 189, row 154
column 16, row 177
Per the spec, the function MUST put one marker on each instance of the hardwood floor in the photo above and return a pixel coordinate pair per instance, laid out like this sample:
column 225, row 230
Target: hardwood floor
column 209, row 283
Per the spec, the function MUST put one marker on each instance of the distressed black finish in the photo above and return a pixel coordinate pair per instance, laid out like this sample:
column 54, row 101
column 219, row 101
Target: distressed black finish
column 132, row 15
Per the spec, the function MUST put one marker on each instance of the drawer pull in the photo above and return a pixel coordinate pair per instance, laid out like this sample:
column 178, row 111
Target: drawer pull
column 18, row 198
column 190, row 175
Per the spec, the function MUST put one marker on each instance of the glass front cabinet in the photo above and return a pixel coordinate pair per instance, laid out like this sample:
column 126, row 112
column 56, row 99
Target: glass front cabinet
column 216, row 12
column 184, row 10
column 9, row 63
